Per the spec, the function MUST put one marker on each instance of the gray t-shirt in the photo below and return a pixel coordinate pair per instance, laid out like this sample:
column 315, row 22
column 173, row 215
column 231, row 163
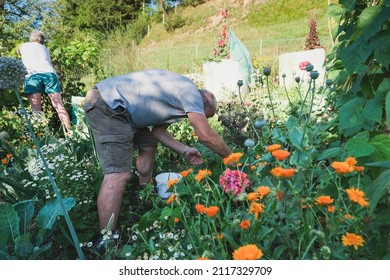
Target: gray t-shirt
column 152, row 97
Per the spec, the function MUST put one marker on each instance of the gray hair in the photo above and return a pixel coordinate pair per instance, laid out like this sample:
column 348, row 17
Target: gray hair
column 37, row 36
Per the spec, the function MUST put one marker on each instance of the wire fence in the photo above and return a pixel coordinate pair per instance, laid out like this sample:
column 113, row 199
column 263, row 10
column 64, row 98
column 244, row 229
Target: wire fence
column 189, row 58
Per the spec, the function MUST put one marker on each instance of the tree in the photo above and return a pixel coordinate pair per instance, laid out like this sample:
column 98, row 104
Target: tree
column 312, row 40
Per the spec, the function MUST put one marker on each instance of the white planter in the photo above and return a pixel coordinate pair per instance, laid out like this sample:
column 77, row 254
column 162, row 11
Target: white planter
column 221, row 77
column 162, row 183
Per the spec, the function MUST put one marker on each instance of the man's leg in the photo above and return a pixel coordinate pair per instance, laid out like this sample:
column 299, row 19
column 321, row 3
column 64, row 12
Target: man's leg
column 58, row 105
column 35, row 102
column 144, row 164
column 110, row 198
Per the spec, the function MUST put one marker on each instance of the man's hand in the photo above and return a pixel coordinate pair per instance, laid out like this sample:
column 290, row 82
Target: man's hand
column 193, row 156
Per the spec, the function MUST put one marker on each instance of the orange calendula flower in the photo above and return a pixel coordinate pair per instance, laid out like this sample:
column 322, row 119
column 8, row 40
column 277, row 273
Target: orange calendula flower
column 4, row 161
column 202, row 174
column 171, row 198
column 176, row 220
column 342, row 167
column 331, row 209
column 281, row 154
column 199, row 208
column 202, row 258
column 185, row 173
column 232, row 158
column 273, row 147
column 351, row 239
column 283, row 173
column 253, row 196
column 247, row 252
column 9, row 156
column 172, row 182
column 245, row 224
column 359, row 168
column 324, row 200
column 256, row 208
column 263, row 191
column 211, row 211
column 357, row 196
column 351, row 161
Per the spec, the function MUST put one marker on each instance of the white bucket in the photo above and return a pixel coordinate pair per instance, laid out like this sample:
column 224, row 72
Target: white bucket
column 162, row 183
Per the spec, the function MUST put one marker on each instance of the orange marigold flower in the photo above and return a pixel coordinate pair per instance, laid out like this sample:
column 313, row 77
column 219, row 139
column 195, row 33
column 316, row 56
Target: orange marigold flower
column 331, row 209
column 351, row 239
column 9, row 156
column 263, row 191
column 176, row 220
column 4, row 161
column 342, row 167
column 232, row 158
column 185, row 173
column 202, row 258
column 357, row 196
column 199, row 208
column 359, row 168
column 253, row 196
column 324, row 200
column 253, row 167
column 211, row 211
column 281, row 154
column 351, row 161
column 282, row 173
column 247, row 252
column 202, row 174
column 256, row 208
column 172, row 182
column 273, row 147
column 171, row 198
column 245, row 224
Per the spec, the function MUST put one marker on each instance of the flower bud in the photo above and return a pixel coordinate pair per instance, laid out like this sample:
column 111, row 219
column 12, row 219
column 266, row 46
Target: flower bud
column 267, row 71
column 328, row 82
column 260, row 123
column 283, row 75
column 297, row 79
column 309, row 67
column 249, row 143
column 314, row 74
column 240, row 83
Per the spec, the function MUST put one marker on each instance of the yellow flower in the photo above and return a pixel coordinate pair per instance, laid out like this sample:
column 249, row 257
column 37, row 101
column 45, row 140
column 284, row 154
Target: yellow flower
column 256, row 208
column 273, row 147
column 247, row 252
column 232, row 158
column 186, row 172
column 357, row 196
column 324, row 200
column 351, row 239
column 263, row 191
column 202, row 174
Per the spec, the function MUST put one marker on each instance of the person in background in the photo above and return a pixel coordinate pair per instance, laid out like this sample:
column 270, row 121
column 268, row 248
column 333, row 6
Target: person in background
column 41, row 76
column 118, row 108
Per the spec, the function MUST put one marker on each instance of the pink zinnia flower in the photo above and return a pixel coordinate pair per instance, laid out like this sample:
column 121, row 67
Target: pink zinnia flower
column 234, row 181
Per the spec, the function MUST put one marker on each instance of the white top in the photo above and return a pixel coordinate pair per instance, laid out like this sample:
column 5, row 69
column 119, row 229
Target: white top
column 36, row 58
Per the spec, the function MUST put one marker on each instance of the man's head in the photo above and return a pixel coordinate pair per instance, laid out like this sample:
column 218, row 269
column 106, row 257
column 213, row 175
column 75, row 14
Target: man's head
column 37, row 36
column 210, row 103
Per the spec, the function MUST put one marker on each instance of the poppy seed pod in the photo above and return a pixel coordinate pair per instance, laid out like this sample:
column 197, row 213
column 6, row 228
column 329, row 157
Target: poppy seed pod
column 267, row 71
column 249, row 143
column 240, row 83
column 314, row 74
column 309, row 67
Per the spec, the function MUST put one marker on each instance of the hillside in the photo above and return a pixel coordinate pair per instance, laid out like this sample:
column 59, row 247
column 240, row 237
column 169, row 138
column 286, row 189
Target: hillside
column 266, row 27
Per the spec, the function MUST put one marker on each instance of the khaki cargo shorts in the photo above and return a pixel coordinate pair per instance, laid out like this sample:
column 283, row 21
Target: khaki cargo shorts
column 115, row 139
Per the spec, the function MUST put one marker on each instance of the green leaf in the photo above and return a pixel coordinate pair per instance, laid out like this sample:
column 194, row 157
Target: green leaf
column 355, row 55
column 351, row 113
column 23, row 245
column 296, row 136
column 348, row 5
column 377, row 189
column 385, row 164
column 329, row 153
column 387, row 106
column 371, row 20
column 359, row 147
column 381, row 45
column 381, row 143
column 48, row 215
column 166, row 212
column 25, row 210
column 373, row 110
column 9, row 224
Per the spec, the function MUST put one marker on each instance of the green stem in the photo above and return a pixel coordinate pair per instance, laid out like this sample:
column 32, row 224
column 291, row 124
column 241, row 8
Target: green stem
column 52, row 181
column 304, row 100
column 285, row 89
column 270, row 99
column 311, row 108
column 308, row 247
